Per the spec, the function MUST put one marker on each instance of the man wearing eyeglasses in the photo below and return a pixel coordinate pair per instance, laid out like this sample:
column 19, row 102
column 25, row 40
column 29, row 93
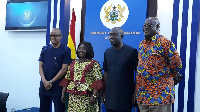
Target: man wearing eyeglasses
column 120, row 62
column 53, row 62
column 158, row 63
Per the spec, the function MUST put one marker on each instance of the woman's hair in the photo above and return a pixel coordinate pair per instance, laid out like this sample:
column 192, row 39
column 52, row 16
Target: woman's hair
column 89, row 49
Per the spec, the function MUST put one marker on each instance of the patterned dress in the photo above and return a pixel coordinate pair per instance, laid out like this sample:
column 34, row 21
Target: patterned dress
column 158, row 63
column 80, row 80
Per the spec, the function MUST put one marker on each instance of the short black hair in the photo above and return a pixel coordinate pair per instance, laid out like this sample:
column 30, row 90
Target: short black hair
column 89, row 49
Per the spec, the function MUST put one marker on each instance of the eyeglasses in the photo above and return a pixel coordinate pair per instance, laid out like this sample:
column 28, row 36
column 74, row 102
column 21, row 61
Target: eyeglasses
column 148, row 25
column 51, row 36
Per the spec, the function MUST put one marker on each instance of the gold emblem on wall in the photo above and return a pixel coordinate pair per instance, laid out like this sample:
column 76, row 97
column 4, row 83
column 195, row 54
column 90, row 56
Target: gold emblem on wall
column 113, row 13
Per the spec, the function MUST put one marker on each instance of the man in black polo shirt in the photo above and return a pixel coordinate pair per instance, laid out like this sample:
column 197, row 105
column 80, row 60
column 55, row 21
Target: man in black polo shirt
column 120, row 62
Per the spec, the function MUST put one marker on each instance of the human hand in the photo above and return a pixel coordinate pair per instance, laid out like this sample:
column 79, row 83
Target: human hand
column 93, row 100
column 63, row 98
column 103, row 98
column 134, row 101
column 47, row 85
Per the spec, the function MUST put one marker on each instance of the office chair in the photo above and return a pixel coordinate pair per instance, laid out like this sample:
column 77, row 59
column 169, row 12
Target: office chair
column 3, row 99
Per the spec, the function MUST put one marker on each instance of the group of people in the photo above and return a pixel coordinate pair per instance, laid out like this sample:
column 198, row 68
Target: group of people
column 155, row 64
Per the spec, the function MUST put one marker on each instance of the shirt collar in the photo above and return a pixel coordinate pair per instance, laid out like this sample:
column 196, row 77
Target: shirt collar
column 154, row 38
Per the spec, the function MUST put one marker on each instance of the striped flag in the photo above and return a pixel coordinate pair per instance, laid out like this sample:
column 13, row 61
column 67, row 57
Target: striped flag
column 78, row 19
column 184, row 22
column 58, row 17
column 71, row 37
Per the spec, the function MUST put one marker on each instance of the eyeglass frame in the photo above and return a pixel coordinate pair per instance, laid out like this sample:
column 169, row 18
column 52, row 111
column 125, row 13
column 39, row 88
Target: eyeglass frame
column 148, row 25
column 53, row 36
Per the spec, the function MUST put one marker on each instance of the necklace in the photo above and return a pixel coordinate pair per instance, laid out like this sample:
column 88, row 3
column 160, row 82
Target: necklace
column 83, row 60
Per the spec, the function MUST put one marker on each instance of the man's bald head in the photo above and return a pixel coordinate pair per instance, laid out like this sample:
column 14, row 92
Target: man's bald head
column 57, row 30
column 118, row 30
column 154, row 20
column 151, row 27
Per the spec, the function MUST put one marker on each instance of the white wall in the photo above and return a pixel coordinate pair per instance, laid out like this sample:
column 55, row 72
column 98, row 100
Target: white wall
column 19, row 52
column 165, row 15
column 197, row 97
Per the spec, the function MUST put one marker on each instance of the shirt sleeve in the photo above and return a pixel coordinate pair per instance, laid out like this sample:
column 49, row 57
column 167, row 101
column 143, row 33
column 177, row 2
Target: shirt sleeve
column 41, row 58
column 105, row 63
column 67, row 57
column 97, row 72
column 67, row 78
column 97, row 75
column 174, row 59
column 134, row 59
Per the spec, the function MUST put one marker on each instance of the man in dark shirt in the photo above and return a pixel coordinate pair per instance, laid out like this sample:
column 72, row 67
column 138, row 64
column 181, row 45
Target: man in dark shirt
column 53, row 62
column 120, row 62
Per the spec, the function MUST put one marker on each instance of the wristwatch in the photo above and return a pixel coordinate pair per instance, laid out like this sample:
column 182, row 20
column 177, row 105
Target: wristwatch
column 51, row 81
column 94, row 96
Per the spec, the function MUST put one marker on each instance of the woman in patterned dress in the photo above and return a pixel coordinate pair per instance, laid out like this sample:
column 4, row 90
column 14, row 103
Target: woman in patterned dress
column 83, row 81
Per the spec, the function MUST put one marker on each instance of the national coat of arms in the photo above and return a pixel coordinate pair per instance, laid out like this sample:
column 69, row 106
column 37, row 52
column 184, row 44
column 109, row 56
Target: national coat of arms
column 113, row 13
